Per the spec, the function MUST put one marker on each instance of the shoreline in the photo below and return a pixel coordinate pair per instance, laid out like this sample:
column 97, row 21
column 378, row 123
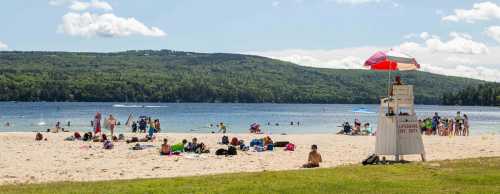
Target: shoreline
column 24, row 160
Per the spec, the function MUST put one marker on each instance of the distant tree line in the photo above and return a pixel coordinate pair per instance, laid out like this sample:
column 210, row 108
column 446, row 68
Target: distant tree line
column 173, row 76
column 481, row 95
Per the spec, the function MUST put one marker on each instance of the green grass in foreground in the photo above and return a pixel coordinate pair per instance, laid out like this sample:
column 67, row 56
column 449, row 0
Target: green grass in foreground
column 480, row 175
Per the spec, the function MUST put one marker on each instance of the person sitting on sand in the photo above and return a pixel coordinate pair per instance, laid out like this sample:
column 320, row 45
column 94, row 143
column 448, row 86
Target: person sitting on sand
column 38, row 137
column 196, row 147
column 179, row 147
column 314, row 158
column 346, row 128
column 367, row 129
column 165, row 148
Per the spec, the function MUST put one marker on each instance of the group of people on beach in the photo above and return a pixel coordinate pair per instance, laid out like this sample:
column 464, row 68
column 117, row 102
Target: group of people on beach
column 357, row 129
column 445, row 126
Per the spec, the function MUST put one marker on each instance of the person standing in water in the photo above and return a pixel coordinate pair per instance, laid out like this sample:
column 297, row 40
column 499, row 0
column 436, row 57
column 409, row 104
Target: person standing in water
column 97, row 123
column 466, row 125
column 222, row 128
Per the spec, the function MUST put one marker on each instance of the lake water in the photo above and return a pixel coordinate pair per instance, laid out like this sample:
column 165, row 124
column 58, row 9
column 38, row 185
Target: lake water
column 196, row 117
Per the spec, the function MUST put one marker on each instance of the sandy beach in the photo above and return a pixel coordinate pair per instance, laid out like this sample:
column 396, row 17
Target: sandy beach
column 24, row 160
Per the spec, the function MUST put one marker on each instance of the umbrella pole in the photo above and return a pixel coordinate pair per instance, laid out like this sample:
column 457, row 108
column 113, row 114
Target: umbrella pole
column 389, row 84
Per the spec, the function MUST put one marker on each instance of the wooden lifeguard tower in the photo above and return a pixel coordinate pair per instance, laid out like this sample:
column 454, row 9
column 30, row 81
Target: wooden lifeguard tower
column 398, row 130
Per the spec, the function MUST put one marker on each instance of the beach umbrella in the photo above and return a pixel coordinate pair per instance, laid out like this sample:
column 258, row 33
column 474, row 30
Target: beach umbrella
column 391, row 60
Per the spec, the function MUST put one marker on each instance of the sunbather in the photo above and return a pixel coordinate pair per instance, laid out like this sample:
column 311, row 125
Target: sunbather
column 165, row 148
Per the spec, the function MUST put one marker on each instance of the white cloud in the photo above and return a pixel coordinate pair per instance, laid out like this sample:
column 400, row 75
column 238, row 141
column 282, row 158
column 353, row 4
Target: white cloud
column 104, row 25
column 357, row 2
column 3, row 46
column 459, row 43
column 275, row 3
column 94, row 4
column 480, row 11
column 458, row 56
column 76, row 5
column 493, row 32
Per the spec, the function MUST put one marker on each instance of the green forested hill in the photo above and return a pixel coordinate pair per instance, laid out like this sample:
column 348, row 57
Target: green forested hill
column 171, row 76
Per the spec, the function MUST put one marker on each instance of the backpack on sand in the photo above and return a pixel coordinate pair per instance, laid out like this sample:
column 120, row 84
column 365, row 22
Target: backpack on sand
column 290, row 147
column 107, row 145
column 225, row 140
column 231, row 150
column 221, row 152
column 372, row 159
column 234, row 141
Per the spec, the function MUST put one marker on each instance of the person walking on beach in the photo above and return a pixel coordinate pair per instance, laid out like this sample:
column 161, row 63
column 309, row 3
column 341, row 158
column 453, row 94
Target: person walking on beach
column 314, row 158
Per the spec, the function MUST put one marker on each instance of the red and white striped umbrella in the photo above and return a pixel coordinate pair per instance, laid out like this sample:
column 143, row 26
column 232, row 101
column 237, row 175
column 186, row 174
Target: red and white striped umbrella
column 391, row 61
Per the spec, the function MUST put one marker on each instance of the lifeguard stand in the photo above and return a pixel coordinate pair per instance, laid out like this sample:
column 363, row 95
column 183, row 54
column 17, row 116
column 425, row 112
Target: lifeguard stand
column 398, row 131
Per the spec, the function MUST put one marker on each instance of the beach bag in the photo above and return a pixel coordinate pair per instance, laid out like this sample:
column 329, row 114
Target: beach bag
column 259, row 148
column 270, row 147
column 221, row 152
column 290, row 147
column 231, row 150
column 225, row 140
column 244, row 148
column 256, row 142
column 121, row 137
column 38, row 137
column 137, row 147
column 104, row 137
column 77, row 135
column 372, row 159
column 70, row 138
column 108, row 145
column 281, row 144
column 234, row 141
column 86, row 137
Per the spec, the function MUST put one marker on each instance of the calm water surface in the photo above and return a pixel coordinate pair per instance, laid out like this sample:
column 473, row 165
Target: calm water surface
column 196, row 117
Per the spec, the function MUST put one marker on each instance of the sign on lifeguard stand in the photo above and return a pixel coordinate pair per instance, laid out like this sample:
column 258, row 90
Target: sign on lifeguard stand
column 398, row 131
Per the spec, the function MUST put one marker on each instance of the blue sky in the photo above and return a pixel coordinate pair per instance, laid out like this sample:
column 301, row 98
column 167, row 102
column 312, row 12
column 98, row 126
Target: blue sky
column 321, row 33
